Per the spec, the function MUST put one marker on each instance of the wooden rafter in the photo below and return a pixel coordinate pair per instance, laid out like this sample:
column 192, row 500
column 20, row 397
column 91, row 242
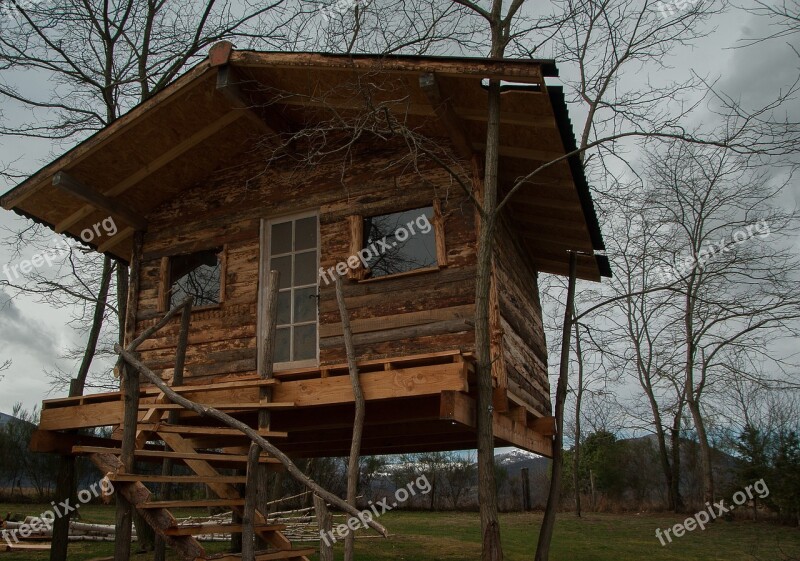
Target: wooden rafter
column 70, row 185
column 446, row 114
column 229, row 85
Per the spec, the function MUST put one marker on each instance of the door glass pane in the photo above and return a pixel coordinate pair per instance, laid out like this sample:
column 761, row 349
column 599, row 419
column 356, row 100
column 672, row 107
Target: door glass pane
column 284, row 307
column 305, row 268
column 305, row 233
column 282, row 342
column 281, row 238
column 284, row 266
column 305, row 304
column 305, row 342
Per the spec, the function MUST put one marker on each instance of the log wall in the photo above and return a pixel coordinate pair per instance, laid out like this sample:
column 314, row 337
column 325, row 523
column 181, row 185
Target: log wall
column 524, row 347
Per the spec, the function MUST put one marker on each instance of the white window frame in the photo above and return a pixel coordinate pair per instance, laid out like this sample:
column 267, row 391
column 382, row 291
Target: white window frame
column 263, row 280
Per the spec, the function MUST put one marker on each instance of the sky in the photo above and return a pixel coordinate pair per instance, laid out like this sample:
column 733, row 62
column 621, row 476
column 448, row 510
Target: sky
column 36, row 336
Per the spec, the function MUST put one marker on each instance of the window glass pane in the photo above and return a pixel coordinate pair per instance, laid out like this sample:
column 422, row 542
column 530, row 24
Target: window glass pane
column 305, row 233
column 196, row 274
column 282, row 350
column 305, row 342
column 305, row 268
column 409, row 242
column 284, row 266
column 281, row 238
column 284, row 309
column 305, row 304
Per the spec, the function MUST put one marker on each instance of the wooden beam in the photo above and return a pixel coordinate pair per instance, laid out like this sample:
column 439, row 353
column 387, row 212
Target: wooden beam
column 152, row 167
column 70, row 185
column 446, row 114
column 229, row 85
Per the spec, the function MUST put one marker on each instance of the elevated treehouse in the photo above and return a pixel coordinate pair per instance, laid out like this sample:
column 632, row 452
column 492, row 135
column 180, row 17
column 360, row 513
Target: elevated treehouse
column 317, row 166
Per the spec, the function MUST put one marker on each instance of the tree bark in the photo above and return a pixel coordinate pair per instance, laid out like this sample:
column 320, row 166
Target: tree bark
column 576, row 451
column 549, row 521
column 325, row 523
column 358, row 422
column 130, row 381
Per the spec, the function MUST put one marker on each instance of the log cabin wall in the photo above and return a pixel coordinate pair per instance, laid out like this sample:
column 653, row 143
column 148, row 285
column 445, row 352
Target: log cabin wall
column 391, row 317
column 524, row 348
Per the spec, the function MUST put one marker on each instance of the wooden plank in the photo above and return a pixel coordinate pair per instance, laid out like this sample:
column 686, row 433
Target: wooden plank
column 216, row 457
column 422, row 330
column 216, row 431
column 243, row 405
column 70, row 185
column 9, row 546
column 152, row 167
column 400, row 320
column 208, row 480
column 198, row 529
column 215, row 386
column 203, row 503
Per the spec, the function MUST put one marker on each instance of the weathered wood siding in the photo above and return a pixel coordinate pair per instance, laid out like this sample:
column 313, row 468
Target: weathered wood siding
column 391, row 317
column 524, row 347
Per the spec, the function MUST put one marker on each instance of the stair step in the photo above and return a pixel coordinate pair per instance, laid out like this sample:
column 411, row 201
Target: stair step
column 208, row 456
column 222, row 406
column 206, row 503
column 131, row 478
column 267, row 555
column 211, row 431
column 199, row 529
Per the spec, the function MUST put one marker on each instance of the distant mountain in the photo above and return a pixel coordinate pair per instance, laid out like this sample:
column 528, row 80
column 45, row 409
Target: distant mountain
column 517, row 459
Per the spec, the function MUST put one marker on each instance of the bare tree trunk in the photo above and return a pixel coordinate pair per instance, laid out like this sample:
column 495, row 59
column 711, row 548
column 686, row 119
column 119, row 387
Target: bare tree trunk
column 487, row 491
column 675, row 443
column 130, row 381
column 358, row 422
column 549, row 521
column 576, row 451
column 65, row 481
column 325, row 523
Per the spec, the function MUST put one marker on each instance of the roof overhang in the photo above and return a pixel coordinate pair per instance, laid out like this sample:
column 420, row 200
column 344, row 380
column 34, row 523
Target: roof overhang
column 205, row 118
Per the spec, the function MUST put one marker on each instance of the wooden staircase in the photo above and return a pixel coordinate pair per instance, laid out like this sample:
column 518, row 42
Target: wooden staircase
column 205, row 465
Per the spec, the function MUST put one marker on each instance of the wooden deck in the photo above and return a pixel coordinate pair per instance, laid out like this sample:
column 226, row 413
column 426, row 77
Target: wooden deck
column 416, row 403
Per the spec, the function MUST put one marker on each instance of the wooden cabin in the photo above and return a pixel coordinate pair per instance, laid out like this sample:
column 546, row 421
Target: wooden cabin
column 320, row 165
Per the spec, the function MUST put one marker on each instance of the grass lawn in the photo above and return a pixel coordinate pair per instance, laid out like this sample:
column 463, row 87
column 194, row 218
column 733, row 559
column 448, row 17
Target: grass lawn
column 424, row 536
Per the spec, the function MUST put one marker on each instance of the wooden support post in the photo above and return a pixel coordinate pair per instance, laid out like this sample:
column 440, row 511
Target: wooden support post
column 526, row 489
column 358, row 422
column 325, row 523
column 130, row 382
column 256, row 473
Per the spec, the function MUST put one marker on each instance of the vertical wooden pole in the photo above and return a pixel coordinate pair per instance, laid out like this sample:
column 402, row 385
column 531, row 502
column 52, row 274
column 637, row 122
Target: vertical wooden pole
column 130, row 383
column 526, row 489
column 554, row 496
column 173, row 416
column 358, row 422
column 325, row 523
column 256, row 473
